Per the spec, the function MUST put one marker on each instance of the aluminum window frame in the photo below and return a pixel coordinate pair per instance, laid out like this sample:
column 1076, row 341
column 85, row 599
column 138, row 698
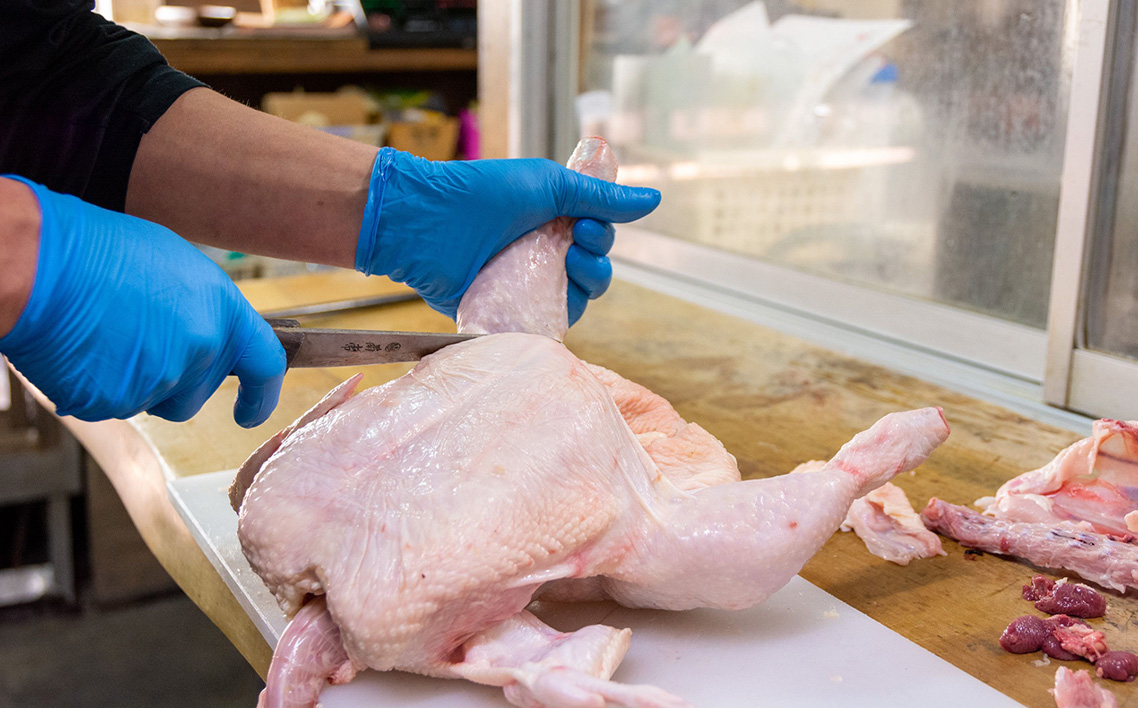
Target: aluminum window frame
column 1078, row 378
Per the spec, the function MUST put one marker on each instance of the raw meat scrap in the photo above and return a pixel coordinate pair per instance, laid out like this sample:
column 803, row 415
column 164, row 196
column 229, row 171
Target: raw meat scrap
column 1054, row 649
column 1079, row 639
column 427, row 513
column 1040, row 586
column 1025, row 634
column 1096, row 557
column 1064, row 598
column 1060, row 637
column 884, row 519
column 1067, row 639
column 1094, row 480
column 1117, row 666
column 1076, row 689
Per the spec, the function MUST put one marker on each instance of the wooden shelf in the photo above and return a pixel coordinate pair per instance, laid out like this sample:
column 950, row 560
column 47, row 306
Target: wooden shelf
column 307, row 55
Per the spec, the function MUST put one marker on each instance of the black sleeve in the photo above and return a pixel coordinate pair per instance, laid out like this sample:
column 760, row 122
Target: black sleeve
column 77, row 93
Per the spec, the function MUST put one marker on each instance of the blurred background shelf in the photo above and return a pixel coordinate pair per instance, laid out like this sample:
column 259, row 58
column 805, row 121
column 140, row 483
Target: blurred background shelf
column 247, row 65
column 305, row 55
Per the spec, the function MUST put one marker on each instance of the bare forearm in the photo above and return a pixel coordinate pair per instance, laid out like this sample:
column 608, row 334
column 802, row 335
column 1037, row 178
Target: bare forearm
column 19, row 246
column 224, row 174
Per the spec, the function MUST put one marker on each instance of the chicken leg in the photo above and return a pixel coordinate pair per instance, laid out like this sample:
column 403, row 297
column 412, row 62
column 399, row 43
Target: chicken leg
column 538, row 666
column 731, row 546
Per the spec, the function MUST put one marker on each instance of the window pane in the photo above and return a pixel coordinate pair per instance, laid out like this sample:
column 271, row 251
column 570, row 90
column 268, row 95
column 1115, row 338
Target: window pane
column 912, row 146
column 1112, row 283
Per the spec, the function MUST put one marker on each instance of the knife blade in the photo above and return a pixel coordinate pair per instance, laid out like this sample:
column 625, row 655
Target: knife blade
column 311, row 347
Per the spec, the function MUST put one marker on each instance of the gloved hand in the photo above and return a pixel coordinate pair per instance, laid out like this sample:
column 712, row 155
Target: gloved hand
column 433, row 225
column 125, row 316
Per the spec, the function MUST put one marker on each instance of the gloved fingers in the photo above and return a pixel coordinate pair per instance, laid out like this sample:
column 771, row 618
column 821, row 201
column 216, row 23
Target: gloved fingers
column 90, row 411
column 589, row 197
column 261, row 370
column 577, row 300
column 591, row 273
column 448, row 307
column 184, row 404
column 594, row 236
column 256, row 402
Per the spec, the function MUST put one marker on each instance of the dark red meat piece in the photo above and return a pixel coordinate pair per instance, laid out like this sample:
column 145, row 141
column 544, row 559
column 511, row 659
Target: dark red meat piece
column 1025, row 635
column 1030, row 633
column 1117, row 666
column 1071, row 599
column 1052, row 648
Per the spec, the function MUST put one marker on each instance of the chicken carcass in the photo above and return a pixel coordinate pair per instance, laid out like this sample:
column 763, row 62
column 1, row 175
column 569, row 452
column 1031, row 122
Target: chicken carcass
column 1093, row 480
column 409, row 526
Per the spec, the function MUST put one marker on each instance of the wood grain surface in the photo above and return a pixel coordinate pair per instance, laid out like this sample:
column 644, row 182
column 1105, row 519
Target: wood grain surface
column 773, row 400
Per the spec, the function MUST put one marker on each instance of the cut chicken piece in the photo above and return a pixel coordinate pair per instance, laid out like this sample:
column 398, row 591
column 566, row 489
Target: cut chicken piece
column 429, row 512
column 1096, row 557
column 1094, row 480
column 1076, row 689
column 885, row 520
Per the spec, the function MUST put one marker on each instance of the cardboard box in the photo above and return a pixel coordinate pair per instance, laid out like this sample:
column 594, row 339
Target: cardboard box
column 321, row 110
column 435, row 137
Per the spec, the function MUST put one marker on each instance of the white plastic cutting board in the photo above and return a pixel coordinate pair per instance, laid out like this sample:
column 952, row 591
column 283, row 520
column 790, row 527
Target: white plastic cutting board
column 803, row 647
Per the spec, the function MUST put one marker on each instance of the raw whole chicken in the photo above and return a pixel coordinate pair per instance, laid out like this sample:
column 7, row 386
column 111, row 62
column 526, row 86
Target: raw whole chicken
column 409, row 526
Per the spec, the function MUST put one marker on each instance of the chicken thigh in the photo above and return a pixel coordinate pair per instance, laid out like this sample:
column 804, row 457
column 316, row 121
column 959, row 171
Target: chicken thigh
column 408, row 527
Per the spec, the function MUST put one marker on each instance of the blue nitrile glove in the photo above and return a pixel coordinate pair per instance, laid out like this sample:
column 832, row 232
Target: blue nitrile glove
column 433, row 225
column 125, row 316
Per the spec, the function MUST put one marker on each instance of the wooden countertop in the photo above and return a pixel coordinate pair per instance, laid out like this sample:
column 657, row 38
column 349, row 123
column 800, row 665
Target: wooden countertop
column 225, row 54
column 772, row 399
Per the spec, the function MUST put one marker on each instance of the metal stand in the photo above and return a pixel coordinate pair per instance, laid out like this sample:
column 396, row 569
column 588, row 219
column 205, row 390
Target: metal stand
column 39, row 460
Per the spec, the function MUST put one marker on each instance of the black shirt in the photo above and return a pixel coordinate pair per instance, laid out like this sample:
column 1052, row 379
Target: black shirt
column 77, row 93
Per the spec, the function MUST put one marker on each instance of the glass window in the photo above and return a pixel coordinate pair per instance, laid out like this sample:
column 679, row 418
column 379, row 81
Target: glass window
column 906, row 145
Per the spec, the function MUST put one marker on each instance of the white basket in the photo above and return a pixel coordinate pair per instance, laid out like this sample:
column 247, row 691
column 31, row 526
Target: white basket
column 752, row 207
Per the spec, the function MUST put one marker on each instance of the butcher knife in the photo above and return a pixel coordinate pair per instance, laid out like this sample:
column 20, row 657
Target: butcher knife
column 309, row 347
